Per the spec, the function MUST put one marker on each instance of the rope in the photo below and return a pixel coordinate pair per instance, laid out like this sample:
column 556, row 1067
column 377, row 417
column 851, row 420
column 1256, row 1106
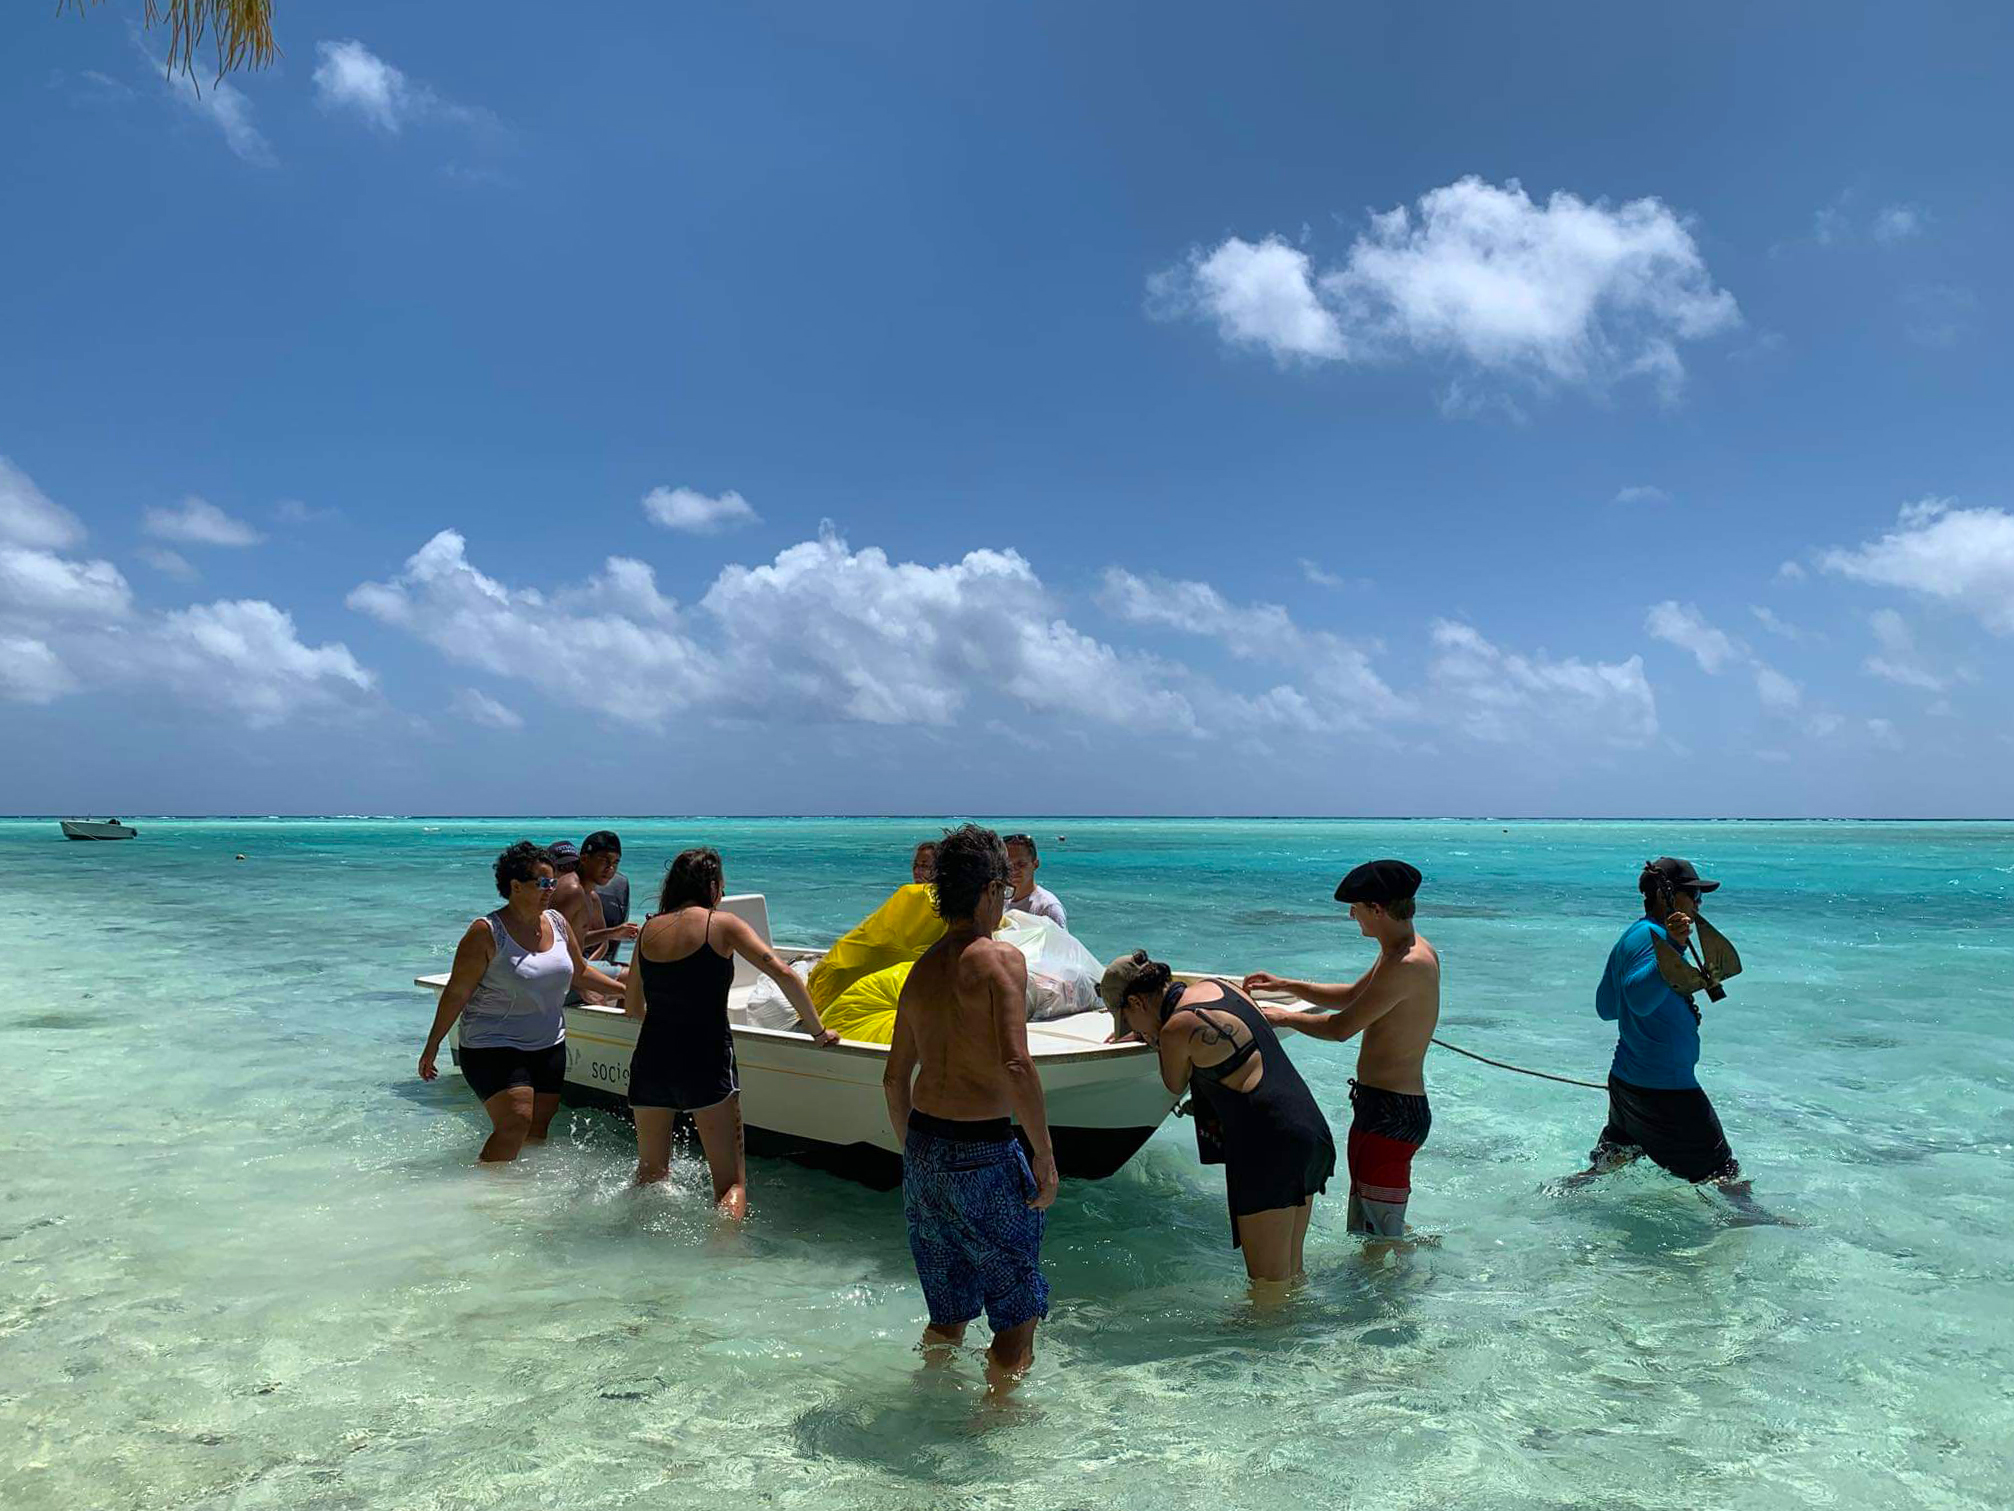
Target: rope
column 1500, row 1065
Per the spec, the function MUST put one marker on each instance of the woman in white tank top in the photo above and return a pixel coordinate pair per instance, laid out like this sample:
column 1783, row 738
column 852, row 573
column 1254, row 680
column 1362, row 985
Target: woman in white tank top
column 511, row 975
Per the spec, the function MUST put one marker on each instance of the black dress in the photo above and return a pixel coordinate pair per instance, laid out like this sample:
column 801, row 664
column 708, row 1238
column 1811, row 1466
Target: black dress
column 685, row 1051
column 1278, row 1150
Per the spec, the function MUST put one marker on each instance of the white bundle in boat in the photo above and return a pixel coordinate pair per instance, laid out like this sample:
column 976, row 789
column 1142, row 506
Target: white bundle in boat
column 767, row 1007
column 1063, row 976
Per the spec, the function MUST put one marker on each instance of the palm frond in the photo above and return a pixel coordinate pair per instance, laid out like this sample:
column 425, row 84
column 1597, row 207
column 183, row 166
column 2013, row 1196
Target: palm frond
column 241, row 29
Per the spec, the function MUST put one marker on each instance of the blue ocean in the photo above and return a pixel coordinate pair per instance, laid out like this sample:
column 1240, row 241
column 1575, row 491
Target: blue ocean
column 246, row 1259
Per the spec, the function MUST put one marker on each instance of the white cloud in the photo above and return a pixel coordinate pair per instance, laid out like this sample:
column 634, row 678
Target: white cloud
column 1778, row 693
column 41, row 584
column 1790, row 571
column 1502, row 697
column 901, row 643
column 30, row 672
column 1776, row 624
column 480, row 708
column 1564, row 293
column 1259, row 294
column 1320, row 576
column 1642, row 493
column 69, row 624
column 697, row 514
column 246, row 655
column 1898, row 660
column 821, row 632
column 350, row 77
column 1893, row 223
column 198, row 522
column 226, row 107
column 1938, row 314
column 28, row 518
column 1346, row 692
column 1685, row 627
column 172, row 563
column 1960, row 557
column 1882, row 731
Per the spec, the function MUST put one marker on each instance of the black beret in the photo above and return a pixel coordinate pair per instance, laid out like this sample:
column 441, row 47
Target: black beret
column 1379, row 881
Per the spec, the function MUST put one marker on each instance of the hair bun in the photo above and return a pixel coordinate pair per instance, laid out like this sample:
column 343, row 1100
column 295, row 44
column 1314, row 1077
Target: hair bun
column 1139, row 957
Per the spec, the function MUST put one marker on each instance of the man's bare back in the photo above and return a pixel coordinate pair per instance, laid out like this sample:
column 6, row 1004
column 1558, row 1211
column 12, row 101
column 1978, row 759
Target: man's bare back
column 950, row 1005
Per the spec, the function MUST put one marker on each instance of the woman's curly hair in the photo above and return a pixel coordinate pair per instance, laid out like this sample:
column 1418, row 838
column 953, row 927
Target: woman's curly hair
column 520, row 863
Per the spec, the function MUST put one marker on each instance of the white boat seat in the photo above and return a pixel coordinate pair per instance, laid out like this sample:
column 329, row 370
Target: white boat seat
column 752, row 908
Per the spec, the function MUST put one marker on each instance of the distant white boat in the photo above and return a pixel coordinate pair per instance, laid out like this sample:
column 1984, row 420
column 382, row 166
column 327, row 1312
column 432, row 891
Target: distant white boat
column 825, row 1107
column 97, row 828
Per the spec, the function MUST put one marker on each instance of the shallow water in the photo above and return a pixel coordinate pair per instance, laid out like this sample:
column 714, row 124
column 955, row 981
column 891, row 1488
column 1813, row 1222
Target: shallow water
column 245, row 1259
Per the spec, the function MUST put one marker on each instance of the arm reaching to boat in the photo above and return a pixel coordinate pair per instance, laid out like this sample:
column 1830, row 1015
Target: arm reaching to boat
column 1007, row 988
column 751, row 946
column 1325, row 994
column 585, row 977
column 472, row 958
column 1369, row 1000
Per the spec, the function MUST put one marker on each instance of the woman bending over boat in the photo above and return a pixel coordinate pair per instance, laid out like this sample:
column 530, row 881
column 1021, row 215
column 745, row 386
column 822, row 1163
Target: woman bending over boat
column 509, row 985
column 684, row 1059
column 1275, row 1144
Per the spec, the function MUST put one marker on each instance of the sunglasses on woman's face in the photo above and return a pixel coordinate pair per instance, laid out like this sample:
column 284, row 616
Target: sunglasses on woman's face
column 543, row 883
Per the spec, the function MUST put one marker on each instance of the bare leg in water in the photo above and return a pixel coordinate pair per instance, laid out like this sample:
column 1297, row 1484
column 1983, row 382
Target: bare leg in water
column 510, row 1112
column 721, row 1137
column 544, row 1107
column 1271, row 1243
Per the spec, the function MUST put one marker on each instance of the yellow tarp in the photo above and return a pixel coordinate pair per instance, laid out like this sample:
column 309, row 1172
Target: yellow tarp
column 895, row 933
column 866, row 1009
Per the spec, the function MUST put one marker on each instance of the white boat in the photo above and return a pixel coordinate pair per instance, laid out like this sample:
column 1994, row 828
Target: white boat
column 825, row 1107
column 96, row 828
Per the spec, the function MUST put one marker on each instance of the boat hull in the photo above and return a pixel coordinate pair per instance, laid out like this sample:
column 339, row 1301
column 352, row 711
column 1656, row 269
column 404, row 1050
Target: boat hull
column 825, row 1106
column 77, row 828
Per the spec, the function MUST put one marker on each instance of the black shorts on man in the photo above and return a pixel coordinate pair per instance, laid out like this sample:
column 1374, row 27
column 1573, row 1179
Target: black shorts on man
column 1676, row 1127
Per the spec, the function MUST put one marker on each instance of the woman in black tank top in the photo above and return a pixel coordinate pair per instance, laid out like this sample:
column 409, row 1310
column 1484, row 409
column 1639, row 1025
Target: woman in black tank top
column 684, row 1057
column 1248, row 1100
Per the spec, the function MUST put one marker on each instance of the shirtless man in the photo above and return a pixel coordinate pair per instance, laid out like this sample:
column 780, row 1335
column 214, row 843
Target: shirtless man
column 581, row 872
column 976, row 1206
column 1395, row 1005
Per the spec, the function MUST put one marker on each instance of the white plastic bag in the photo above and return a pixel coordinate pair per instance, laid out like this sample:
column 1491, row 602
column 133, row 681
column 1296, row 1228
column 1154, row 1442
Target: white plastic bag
column 767, row 1007
column 1063, row 976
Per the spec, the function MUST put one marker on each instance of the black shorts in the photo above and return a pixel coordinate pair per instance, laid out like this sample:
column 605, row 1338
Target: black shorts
column 489, row 1071
column 1677, row 1128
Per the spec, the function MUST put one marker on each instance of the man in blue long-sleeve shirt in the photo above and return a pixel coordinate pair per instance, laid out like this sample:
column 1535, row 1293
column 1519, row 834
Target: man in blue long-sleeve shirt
column 1655, row 1104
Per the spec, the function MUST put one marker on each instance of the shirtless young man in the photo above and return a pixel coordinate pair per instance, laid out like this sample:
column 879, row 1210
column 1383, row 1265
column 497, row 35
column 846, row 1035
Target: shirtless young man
column 1395, row 1005
column 581, row 871
column 976, row 1207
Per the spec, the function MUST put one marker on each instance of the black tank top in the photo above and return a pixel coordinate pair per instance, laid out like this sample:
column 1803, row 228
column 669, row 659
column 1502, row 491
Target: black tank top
column 1279, row 1107
column 686, row 1025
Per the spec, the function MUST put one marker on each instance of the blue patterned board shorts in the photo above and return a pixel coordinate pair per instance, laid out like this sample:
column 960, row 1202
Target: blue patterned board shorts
column 975, row 1239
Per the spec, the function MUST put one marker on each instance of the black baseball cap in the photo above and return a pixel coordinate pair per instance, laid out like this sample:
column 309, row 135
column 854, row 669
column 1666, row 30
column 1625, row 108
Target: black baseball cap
column 1379, row 881
column 564, row 852
column 602, row 841
column 1680, row 873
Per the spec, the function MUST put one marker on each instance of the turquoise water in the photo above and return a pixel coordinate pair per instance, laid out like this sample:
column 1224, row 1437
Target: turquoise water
column 245, row 1259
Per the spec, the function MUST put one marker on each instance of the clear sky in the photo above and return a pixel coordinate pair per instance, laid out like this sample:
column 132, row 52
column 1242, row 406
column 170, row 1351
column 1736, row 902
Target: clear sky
column 1059, row 408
